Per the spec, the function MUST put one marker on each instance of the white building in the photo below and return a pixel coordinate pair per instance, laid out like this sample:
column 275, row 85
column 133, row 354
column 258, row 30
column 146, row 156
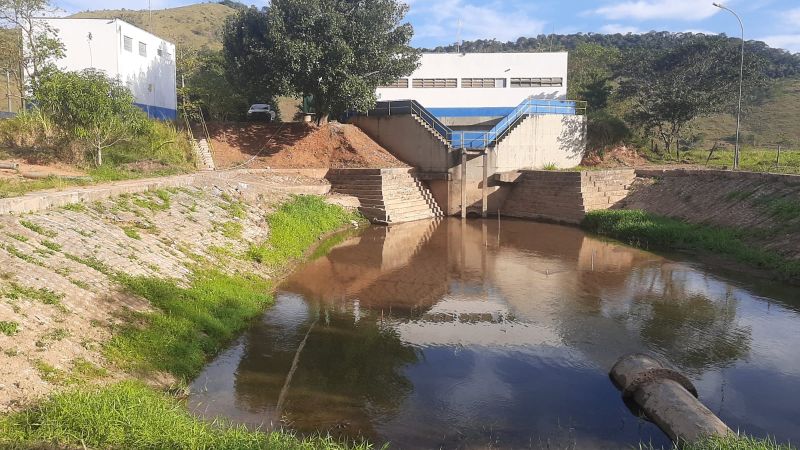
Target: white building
column 481, row 84
column 140, row 60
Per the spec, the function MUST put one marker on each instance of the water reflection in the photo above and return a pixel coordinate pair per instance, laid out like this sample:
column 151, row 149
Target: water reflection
column 484, row 333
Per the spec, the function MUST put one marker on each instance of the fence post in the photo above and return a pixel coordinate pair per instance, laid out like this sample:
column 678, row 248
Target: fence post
column 778, row 158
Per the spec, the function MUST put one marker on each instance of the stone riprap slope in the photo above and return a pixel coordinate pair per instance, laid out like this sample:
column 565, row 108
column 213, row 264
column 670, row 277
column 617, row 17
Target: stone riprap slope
column 58, row 300
column 765, row 207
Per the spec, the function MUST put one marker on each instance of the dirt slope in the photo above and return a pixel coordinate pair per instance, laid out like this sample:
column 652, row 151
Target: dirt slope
column 296, row 145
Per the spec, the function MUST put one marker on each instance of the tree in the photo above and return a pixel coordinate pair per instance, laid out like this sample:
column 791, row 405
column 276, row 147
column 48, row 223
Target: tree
column 204, row 73
column 335, row 51
column 591, row 70
column 38, row 43
column 248, row 58
column 90, row 107
column 668, row 89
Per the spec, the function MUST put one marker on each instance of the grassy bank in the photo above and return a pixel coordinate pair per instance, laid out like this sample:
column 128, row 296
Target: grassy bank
column 641, row 229
column 130, row 415
column 189, row 325
column 751, row 159
column 731, row 442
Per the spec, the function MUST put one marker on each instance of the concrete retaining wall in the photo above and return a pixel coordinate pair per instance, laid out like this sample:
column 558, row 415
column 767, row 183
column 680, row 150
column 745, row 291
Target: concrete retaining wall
column 565, row 196
column 409, row 141
column 540, row 140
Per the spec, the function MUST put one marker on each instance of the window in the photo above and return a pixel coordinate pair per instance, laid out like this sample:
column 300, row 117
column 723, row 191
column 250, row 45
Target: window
column 434, row 83
column 537, row 82
column 142, row 49
column 127, row 43
column 483, row 82
column 401, row 83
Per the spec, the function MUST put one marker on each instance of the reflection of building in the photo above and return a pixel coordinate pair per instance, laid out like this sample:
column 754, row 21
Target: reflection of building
column 143, row 62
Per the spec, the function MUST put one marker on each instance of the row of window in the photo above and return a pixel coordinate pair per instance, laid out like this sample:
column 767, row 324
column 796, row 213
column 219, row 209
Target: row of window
column 423, row 83
column 128, row 45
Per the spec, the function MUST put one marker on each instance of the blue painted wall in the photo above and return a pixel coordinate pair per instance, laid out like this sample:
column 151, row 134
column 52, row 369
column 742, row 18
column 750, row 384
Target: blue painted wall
column 158, row 113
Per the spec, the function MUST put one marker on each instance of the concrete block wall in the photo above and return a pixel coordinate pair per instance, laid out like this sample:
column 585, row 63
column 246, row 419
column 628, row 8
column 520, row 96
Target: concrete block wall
column 565, row 196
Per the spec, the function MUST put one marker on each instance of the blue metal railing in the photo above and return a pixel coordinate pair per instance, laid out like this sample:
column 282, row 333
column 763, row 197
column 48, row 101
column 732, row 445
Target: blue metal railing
column 477, row 140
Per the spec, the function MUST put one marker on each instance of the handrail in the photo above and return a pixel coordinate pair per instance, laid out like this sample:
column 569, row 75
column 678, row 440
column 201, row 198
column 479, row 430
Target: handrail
column 480, row 139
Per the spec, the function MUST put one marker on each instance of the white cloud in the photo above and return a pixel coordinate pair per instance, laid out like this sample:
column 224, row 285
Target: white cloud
column 689, row 10
column 789, row 42
column 440, row 21
column 792, row 17
column 614, row 28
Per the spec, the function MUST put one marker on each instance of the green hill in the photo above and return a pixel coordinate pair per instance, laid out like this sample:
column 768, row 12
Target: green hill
column 194, row 26
column 768, row 124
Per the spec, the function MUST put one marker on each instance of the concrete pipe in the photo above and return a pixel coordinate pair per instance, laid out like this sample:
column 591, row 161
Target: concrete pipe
column 9, row 166
column 667, row 397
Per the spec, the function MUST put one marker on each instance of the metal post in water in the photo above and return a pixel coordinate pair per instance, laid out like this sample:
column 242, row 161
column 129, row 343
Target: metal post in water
column 485, row 190
column 463, row 183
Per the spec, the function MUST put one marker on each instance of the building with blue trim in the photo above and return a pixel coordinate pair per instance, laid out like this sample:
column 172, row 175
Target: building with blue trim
column 142, row 61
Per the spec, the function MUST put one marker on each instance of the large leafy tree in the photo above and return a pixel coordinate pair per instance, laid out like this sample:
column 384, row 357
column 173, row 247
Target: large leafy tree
column 204, row 84
column 668, row 89
column 90, row 107
column 335, row 51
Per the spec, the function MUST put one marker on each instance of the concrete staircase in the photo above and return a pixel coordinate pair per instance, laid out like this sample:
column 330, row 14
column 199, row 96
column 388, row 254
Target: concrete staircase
column 203, row 153
column 603, row 189
column 387, row 196
column 430, row 129
column 566, row 196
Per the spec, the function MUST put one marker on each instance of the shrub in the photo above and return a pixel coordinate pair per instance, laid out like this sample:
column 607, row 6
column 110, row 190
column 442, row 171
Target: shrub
column 90, row 108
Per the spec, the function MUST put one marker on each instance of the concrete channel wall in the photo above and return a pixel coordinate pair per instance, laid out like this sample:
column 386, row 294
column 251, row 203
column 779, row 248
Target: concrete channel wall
column 54, row 198
column 534, row 142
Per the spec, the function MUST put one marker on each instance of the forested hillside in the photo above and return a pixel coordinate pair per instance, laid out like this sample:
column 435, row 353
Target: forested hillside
column 772, row 114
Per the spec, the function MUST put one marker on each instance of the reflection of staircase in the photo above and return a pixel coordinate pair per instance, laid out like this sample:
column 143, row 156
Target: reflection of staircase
column 387, row 196
column 203, row 153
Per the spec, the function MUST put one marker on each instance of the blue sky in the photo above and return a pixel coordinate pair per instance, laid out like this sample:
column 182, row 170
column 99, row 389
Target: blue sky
column 776, row 22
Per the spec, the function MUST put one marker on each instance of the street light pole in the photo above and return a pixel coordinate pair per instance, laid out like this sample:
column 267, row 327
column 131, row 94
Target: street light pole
column 741, row 84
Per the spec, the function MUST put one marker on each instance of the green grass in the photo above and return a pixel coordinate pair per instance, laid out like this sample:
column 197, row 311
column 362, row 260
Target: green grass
column 51, row 245
column 642, row 229
column 36, row 228
column 132, row 232
column 48, row 297
column 21, row 255
column 156, row 201
column 9, row 328
column 104, row 174
column 18, row 237
column 192, row 323
column 90, row 261
column 234, row 207
column 295, row 226
column 751, row 159
column 76, row 207
column 731, row 442
column 132, row 416
column 231, row 230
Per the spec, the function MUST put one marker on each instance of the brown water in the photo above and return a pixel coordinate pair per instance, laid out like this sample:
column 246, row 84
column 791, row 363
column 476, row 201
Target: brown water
column 477, row 334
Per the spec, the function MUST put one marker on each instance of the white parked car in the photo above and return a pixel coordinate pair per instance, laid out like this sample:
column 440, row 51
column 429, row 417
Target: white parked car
column 261, row 111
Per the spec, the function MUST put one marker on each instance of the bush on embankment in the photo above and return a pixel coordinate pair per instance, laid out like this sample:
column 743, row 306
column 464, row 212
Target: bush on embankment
column 645, row 230
column 130, row 415
column 88, row 120
column 730, row 442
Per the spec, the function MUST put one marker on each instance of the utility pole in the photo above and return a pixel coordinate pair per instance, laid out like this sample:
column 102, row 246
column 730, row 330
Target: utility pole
column 8, row 89
column 737, row 151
